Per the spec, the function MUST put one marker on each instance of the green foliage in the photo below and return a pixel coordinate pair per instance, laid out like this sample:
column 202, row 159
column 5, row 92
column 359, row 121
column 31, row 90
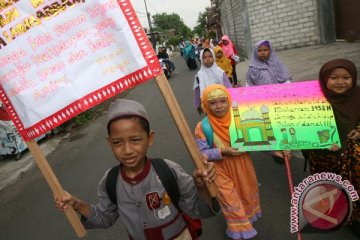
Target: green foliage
column 83, row 118
column 164, row 21
column 80, row 120
column 200, row 28
column 174, row 41
column 212, row 34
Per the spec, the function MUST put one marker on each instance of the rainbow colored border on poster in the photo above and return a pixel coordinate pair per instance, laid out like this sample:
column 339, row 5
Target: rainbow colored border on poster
column 282, row 116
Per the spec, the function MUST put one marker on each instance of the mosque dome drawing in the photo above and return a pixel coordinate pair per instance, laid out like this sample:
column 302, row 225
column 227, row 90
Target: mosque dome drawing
column 253, row 127
column 251, row 115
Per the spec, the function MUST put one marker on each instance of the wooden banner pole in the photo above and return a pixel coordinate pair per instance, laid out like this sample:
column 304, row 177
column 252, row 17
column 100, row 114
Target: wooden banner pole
column 183, row 127
column 291, row 184
column 55, row 186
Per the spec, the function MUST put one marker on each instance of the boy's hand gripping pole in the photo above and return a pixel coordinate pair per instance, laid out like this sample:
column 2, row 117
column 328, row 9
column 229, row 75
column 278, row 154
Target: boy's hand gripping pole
column 55, row 186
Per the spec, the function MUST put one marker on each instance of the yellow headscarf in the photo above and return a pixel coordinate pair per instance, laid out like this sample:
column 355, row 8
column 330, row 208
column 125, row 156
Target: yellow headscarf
column 219, row 125
column 224, row 63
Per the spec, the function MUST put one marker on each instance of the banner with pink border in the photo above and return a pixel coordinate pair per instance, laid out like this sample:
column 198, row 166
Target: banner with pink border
column 60, row 58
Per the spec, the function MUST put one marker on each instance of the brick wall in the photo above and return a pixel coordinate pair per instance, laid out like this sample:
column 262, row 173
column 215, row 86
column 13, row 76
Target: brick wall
column 286, row 24
column 231, row 23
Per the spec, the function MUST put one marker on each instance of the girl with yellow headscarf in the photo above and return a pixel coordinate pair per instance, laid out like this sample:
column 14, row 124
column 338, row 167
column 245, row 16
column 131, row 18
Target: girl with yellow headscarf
column 236, row 178
column 223, row 62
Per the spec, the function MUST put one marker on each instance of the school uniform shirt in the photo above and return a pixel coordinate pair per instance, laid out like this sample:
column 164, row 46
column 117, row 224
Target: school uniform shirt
column 145, row 207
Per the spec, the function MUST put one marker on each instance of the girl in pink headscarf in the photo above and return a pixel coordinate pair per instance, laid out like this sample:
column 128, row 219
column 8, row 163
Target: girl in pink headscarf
column 229, row 50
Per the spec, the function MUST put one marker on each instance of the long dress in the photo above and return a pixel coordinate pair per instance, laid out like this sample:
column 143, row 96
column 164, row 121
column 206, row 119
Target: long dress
column 238, row 186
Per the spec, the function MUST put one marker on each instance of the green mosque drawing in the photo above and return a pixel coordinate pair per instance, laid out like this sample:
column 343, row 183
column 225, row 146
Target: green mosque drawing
column 253, row 127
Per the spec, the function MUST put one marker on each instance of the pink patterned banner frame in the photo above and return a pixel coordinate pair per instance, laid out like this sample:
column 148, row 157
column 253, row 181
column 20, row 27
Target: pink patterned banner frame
column 57, row 64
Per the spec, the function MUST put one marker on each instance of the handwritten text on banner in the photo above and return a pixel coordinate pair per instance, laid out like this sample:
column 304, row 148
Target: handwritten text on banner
column 60, row 58
column 282, row 116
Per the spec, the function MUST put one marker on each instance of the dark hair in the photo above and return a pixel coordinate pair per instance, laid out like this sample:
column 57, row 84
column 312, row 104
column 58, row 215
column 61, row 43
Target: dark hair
column 206, row 50
column 145, row 125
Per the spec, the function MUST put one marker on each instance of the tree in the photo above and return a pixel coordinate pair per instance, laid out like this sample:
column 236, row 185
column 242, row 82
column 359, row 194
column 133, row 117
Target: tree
column 200, row 28
column 173, row 41
column 164, row 21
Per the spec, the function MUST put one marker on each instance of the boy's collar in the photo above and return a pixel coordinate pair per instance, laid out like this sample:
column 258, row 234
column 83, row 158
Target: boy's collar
column 138, row 178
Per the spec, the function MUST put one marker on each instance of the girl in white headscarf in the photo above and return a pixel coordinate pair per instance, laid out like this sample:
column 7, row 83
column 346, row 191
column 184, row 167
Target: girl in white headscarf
column 209, row 73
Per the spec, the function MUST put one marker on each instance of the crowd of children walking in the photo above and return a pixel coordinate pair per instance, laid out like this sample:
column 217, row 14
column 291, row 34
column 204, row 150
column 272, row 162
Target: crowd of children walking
column 236, row 179
column 138, row 189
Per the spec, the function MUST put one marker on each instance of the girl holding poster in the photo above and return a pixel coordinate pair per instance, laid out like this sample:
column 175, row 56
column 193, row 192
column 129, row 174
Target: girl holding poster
column 338, row 81
column 235, row 173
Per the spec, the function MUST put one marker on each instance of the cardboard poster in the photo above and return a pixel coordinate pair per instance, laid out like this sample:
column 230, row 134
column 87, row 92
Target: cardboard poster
column 60, row 58
column 282, row 116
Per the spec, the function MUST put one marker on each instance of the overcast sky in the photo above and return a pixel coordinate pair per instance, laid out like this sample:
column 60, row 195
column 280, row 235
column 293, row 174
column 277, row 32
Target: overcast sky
column 188, row 10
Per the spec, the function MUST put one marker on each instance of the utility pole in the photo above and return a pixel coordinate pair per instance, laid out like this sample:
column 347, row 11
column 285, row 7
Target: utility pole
column 150, row 26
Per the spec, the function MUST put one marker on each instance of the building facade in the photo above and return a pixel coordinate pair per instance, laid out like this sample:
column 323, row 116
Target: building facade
column 286, row 24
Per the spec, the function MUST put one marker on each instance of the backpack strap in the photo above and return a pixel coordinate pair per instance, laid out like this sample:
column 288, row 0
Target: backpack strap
column 209, row 133
column 111, row 181
column 164, row 172
column 167, row 178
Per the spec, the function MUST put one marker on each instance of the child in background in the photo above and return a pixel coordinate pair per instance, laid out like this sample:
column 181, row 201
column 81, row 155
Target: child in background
column 142, row 202
column 206, row 43
column 265, row 67
column 223, row 62
column 190, row 56
column 209, row 73
column 236, row 178
column 229, row 50
column 338, row 81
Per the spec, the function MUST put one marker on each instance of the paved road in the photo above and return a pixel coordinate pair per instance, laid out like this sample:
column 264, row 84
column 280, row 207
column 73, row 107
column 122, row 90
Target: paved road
column 27, row 210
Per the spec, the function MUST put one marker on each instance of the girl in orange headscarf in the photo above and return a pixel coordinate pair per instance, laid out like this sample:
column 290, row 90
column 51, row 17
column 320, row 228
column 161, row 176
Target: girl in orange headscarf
column 236, row 178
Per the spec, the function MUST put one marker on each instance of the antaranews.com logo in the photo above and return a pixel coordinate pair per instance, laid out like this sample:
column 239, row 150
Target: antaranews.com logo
column 323, row 201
